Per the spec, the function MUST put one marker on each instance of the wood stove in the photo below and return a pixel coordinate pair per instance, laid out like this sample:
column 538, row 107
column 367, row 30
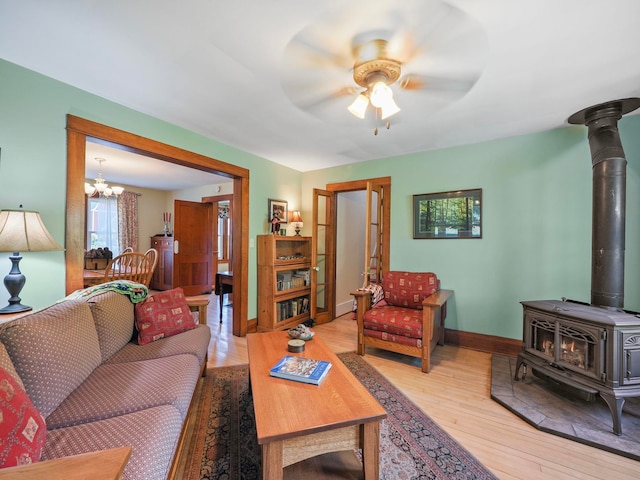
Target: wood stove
column 594, row 348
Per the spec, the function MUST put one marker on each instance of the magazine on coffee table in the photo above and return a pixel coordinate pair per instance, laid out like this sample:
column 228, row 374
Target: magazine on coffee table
column 299, row 369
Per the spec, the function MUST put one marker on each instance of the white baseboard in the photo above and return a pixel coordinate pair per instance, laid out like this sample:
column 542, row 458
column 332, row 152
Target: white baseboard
column 344, row 307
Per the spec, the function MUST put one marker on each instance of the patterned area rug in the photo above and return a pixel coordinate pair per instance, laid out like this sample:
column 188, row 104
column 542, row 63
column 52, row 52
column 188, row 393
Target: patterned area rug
column 412, row 446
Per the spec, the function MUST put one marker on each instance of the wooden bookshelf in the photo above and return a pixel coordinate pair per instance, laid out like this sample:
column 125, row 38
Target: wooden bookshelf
column 284, row 281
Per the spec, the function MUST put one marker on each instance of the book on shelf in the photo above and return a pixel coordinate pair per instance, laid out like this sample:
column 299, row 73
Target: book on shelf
column 291, row 308
column 303, row 276
column 287, row 280
column 305, row 370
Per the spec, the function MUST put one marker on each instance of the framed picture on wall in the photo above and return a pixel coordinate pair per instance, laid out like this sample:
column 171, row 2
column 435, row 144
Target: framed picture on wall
column 456, row 214
column 279, row 209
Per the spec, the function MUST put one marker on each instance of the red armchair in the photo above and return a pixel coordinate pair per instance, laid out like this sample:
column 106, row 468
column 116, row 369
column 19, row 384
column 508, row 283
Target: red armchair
column 408, row 320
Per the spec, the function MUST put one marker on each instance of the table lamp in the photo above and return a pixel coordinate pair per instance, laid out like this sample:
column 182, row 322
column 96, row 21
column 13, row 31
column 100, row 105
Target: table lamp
column 20, row 231
column 297, row 219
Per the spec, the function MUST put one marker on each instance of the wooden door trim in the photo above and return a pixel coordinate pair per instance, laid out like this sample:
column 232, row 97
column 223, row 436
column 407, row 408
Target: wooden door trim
column 354, row 185
column 79, row 129
column 214, row 199
column 217, row 198
column 357, row 185
column 329, row 254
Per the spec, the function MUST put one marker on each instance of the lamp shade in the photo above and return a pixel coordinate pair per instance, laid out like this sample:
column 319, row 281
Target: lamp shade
column 359, row 106
column 295, row 216
column 380, row 94
column 388, row 109
column 382, row 97
column 89, row 189
column 23, row 231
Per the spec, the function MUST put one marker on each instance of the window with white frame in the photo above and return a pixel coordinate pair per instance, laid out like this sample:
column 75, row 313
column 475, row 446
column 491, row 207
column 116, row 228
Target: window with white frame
column 102, row 223
column 224, row 232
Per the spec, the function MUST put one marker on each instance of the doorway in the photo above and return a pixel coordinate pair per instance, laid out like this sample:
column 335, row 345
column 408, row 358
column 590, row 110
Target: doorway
column 80, row 130
column 222, row 232
column 351, row 200
column 350, row 224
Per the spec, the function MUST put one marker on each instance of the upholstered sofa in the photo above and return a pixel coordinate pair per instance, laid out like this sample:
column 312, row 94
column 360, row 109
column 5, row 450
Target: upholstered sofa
column 98, row 384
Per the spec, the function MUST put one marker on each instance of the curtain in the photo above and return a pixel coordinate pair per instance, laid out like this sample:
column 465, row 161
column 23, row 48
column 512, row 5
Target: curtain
column 128, row 220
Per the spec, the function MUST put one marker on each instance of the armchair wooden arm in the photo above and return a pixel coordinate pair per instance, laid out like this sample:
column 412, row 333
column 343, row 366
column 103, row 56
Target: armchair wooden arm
column 435, row 308
column 363, row 303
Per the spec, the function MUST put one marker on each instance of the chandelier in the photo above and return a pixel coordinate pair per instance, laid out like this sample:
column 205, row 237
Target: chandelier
column 100, row 186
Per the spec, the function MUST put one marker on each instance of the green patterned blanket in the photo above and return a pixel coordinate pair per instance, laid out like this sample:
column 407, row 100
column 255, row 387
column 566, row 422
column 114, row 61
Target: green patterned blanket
column 135, row 291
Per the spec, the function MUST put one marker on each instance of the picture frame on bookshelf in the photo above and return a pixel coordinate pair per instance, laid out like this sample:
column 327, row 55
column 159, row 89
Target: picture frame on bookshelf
column 279, row 209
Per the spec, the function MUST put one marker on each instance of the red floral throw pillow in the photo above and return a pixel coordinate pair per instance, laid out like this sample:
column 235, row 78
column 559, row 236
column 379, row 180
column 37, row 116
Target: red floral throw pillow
column 162, row 315
column 22, row 428
column 408, row 289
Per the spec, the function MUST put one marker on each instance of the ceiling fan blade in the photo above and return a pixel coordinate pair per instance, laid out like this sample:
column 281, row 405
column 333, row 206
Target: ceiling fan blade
column 306, row 53
column 413, row 81
column 314, row 102
column 317, row 68
column 402, row 47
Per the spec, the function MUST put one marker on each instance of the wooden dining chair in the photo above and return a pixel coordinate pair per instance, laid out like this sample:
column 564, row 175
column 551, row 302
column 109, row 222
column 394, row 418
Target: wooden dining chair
column 151, row 259
column 134, row 266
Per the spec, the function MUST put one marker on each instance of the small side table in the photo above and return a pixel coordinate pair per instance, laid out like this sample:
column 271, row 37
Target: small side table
column 100, row 465
column 224, row 284
column 4, row 318
column 199, row 303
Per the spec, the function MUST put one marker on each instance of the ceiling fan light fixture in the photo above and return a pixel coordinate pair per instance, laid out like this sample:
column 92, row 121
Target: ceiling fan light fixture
column 359, row 105
column 382, row 98
column 380, row 93
column 374, row 71
column 388, row 109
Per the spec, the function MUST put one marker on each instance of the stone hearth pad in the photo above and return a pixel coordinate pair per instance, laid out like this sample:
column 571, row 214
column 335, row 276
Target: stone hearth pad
column 553, row 409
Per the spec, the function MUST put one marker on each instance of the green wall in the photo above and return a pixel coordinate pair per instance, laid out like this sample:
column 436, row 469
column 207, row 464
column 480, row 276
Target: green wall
column 536, row 219
column 33, row 111
column 536, row 202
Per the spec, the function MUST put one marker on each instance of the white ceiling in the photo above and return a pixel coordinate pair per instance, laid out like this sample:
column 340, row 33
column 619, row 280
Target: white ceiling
column 253, row 73
column 127, row 168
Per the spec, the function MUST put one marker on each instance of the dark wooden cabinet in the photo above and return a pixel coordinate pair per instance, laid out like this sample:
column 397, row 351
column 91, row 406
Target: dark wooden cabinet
column 163, row 274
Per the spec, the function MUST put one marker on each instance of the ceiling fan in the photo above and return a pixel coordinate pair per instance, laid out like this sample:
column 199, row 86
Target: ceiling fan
column 375, row 75
column 423, row 54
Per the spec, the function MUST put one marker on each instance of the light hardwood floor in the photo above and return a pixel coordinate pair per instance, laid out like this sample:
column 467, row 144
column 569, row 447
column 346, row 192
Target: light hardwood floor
column 456, row 395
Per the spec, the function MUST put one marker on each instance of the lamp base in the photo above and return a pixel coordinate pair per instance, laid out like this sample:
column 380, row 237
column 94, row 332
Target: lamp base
column 14, row 308
column 14, row 281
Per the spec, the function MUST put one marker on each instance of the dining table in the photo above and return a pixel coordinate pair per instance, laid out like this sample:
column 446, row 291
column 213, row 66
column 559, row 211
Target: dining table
column 92, row 277
column 224, row 284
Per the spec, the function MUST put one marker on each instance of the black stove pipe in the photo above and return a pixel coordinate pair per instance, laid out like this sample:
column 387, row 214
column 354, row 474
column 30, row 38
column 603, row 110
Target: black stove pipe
column 609, row 199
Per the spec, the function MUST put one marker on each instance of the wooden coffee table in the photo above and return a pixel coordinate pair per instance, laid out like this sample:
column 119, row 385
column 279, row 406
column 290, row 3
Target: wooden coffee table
column 296, row 421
